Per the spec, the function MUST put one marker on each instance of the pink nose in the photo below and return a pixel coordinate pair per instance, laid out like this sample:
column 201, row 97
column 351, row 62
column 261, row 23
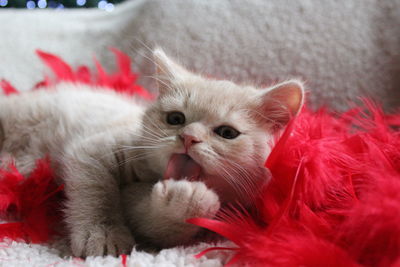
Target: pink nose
column 189, row 140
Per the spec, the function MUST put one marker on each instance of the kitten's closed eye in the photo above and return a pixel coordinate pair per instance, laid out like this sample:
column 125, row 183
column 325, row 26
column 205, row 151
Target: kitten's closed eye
column 176, row 118
column 227, row 132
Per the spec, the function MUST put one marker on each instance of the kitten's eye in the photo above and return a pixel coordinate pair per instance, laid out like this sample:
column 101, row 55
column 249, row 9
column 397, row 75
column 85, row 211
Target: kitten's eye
column 175, row 118
column 227, row 132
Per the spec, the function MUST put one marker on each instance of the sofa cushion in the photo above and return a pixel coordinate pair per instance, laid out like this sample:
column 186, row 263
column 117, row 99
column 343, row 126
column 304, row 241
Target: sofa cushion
column 342, row 49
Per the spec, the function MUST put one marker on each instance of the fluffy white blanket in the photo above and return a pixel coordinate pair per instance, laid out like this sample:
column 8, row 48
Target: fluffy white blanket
column 57, row 254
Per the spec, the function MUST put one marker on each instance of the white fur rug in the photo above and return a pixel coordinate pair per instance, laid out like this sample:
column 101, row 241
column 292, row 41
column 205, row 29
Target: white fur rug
column 57, row 254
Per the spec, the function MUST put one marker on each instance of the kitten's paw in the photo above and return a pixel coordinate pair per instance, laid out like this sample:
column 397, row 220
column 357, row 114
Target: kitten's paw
column 99, row 240
column 181, row 200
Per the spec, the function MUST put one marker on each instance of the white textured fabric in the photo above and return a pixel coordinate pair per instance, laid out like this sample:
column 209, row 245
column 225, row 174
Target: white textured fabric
column 344, row 49
column 16, row 254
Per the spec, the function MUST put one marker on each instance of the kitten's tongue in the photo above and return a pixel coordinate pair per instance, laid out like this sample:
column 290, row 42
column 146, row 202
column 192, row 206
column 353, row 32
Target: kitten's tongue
column 181, row 166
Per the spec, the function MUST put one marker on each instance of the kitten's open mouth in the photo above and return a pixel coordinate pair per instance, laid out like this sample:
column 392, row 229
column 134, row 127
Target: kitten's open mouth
column 182, row 166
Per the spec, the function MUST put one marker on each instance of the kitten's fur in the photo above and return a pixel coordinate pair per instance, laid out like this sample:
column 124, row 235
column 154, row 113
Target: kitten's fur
column 104, row 146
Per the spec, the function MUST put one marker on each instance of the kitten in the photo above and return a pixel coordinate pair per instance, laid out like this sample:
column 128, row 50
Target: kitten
column 136, row 171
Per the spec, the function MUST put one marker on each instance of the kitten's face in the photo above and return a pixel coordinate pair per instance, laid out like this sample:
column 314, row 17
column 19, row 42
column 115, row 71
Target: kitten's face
column 213, row 131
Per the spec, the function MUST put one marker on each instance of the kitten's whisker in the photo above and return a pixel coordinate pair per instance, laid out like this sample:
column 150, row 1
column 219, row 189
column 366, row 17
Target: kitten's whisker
column 155, row 125
column 137, row 148
column 151, row 130
column 144, row 44
column 141, row 147
column 248, row 182
column 227, row 176
column 148, row 131
column 124, row 148
column 158, row 79
column 167, row 72
column 242, row 171
column 169, row 138
column 151, row 58
column 149, row 49
column 241, row 181
column 211, row 152
column 131, row 159
column 144, row 143
column 138, row 156
column 144, row 137
column 282, row 111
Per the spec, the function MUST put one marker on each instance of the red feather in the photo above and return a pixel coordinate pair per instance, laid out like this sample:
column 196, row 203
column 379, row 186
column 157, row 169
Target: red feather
column 60, row 68
column 30, row 203
column 334, row 197
column 8, row 89
column 122, row 81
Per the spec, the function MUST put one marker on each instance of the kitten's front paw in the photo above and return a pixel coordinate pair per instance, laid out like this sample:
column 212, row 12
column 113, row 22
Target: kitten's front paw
column 181, row 200
column 99, row 240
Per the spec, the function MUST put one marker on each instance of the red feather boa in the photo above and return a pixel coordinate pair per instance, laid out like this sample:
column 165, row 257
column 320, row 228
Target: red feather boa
column 334, row 199
column 30, row 205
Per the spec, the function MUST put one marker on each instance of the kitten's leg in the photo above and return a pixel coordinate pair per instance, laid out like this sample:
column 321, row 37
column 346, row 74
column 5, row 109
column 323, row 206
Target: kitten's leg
column 93, row 212
column 158, row 213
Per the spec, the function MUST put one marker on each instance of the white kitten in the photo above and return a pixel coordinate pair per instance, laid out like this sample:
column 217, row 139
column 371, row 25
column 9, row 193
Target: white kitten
column 130, row 170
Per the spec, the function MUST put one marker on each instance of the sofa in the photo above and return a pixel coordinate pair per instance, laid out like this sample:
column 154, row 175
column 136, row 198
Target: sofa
column 342, row 49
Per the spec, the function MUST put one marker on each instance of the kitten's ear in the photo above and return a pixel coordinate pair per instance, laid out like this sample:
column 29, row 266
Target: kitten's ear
column 282, row 102
column 167, row 71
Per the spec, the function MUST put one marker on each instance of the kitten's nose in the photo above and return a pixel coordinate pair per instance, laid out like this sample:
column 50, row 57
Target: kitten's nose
column 189, row 140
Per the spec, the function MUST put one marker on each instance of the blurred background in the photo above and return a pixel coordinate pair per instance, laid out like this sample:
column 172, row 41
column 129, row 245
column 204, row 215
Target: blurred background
column 343, row 49
column 107, row 5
